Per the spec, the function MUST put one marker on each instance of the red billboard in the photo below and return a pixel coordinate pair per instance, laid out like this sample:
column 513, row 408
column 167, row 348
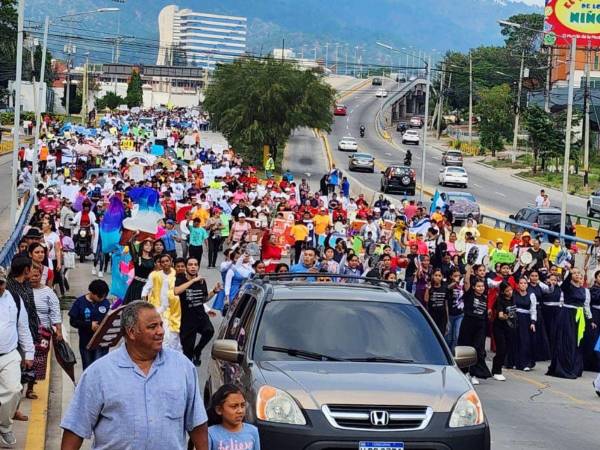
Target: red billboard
column 568, row 19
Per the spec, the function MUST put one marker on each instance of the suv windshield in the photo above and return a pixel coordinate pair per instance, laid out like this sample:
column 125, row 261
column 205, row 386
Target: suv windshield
column 354, row 330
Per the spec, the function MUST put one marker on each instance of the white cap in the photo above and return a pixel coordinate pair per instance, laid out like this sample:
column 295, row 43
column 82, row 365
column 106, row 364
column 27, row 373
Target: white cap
column 241, row 215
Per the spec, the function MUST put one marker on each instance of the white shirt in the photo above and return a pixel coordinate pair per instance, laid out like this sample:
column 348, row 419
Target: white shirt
column 51, row 240
column 539, row 201
column 13, row 334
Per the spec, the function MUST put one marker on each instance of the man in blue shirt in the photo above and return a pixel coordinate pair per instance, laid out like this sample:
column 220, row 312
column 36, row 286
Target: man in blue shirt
column 139, row 396
column 86, row 314
column 308, row 264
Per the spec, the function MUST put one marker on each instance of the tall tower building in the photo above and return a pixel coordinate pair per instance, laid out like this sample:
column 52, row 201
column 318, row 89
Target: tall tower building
column 199, row 39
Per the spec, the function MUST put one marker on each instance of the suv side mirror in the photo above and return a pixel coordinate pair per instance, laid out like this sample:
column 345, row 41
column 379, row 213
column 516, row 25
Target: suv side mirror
column 227, row 350
column 512, row 216
column 383, row 172
column 464, row 356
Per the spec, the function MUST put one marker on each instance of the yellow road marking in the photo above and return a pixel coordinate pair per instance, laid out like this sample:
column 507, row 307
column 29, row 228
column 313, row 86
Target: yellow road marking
column 38, row 418
column 546, row 387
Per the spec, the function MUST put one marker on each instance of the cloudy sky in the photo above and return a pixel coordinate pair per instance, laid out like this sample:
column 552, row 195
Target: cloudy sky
column 533, row 2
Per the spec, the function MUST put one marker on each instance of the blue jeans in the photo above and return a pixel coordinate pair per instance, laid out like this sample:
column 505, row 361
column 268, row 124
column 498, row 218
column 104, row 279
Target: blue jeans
column 89, row 356
column 453, row 330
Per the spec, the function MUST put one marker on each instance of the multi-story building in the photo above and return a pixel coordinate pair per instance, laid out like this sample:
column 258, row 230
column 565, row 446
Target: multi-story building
column 199, row 39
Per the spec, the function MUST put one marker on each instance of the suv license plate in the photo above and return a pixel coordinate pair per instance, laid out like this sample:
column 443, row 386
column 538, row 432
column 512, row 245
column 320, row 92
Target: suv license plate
column 380, row 445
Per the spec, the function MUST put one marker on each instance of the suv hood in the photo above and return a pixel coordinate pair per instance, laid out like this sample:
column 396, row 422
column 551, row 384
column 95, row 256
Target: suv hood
column 315, row 384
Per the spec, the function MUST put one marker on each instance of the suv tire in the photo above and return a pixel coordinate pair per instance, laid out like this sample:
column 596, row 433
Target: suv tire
column 590, row 211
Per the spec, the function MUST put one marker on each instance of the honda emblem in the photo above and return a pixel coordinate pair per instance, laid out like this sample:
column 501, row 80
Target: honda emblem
column 379, row 418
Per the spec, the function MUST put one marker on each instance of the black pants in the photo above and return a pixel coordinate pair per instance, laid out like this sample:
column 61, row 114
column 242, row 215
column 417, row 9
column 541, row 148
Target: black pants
column 214, row 243
column 196, row 251
column 58, row 278
column 504, row 338
column 472, row 333
column 188, row 341
column 101, row 260
column 297, row 250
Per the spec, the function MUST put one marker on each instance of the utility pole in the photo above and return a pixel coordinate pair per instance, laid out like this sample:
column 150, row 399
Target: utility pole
column 31, row 44
column 424, row 161
column 518, row 109
column 346, row 64
column 566, row 165
column 17, row 122
column 326, row 55
column 41, row 101
column 441, row 101
column 69, row 49
column 548, row 82
column 470, row 98
column 586, row 108
column 85, row 93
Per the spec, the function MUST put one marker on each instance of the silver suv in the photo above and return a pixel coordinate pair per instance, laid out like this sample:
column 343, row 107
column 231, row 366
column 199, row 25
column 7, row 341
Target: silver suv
column 345, row 366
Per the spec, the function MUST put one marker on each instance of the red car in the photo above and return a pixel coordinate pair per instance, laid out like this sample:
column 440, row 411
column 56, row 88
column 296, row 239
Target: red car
column 340, row 110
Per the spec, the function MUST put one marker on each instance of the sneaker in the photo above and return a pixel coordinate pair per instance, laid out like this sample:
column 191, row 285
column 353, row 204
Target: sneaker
column 526, row 369
column 100, row 274
column 93, row 271
column 474, row 381
column 499, row 377
column 7, row 440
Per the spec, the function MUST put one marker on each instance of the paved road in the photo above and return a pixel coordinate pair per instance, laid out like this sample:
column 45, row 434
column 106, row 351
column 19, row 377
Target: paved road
column 497, row 192
column 5, row 176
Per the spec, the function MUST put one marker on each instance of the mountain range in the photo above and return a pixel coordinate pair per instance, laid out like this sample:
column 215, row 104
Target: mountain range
column 304, row 24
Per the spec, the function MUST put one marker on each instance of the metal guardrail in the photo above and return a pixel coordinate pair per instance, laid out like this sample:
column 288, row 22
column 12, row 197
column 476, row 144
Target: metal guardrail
column 536, row 232
column 10, row 247
column 406, row 87
column 587, row 221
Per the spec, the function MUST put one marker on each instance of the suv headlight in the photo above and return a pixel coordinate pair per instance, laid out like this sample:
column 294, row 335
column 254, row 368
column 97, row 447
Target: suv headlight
column 275, row 405
column 467, row 411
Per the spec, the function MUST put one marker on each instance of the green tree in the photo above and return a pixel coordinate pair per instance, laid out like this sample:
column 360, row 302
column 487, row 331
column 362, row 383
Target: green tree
column 255, row 103
column 135, row 94
column 495, row 109
column 75, row 100
column 110, row 100
column 524, row 37
column 542, row 133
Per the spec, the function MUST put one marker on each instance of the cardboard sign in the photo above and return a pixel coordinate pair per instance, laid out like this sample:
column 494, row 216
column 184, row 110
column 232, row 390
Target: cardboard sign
column 358, row 224
column 108, row 333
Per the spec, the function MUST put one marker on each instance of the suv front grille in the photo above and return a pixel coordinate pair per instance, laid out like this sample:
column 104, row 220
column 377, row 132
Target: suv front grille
column 378, row 418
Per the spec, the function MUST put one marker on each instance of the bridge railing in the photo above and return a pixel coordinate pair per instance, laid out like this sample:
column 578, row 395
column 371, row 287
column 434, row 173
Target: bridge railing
column 10, row 247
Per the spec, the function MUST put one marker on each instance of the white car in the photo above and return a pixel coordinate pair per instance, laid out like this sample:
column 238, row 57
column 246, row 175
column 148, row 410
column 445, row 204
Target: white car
column 411, row 137
column 348, row 144
column 381, row 93
column 454, row 175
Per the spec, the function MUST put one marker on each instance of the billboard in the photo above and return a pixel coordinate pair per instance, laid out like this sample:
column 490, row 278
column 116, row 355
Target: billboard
column 568, row 19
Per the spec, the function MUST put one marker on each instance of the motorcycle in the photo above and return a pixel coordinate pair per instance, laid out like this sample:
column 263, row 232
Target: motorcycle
column 362, row 133
column 408, row 158
column 83, row 243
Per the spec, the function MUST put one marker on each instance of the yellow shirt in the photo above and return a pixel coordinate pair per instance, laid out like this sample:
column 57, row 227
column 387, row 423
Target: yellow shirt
column 321, row 222
column 173, row 314
column 553, row 252
column 201, row 214
column 299, row 232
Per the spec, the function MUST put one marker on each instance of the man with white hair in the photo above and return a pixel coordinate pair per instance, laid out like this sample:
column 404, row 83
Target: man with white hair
column 154, row 386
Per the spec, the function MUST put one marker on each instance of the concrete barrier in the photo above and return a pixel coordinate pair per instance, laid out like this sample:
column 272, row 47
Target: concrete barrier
column 489, row 233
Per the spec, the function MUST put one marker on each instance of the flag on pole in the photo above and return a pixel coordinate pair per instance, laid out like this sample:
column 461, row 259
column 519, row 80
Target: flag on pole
column 437, row 201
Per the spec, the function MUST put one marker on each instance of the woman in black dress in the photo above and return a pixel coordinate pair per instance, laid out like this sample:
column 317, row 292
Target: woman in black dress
column 436, row 299
column 526, row 308
column 567, row 357
column 551, row 301
column 591, row 358
column 541, row 347
column 143, row 264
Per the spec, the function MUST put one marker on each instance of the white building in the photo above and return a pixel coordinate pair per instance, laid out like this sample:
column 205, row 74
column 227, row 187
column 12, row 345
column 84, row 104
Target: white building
column 199, row 39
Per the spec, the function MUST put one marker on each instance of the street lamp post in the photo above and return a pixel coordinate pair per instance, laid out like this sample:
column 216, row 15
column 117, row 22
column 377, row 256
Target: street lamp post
column 427, row 91
column 518, row 111
column 470, row 98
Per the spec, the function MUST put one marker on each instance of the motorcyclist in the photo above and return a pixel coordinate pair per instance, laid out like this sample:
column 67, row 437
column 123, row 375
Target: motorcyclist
column 362, row 130
column 408, row 158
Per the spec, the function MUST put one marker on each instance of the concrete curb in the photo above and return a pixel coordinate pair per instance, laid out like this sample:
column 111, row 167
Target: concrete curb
column 38, row 419
column 518, row 177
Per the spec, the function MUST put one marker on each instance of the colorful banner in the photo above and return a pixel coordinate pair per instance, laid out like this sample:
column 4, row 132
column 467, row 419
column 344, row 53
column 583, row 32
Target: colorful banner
column 568, row 19
column 127, row 145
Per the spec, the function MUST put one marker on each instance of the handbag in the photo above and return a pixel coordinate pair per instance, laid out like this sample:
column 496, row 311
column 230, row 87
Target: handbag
column 64, row 352
column 69, row 260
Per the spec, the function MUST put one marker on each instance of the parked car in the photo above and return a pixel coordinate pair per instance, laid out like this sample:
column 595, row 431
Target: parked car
column 345, row 385
column 461, row 205
column 399, row 178
column 543, row 218
column 411, row 137
column 348, row 144
column 401, row 127
column 452, row 158
column 453, row 175
column 340, row 110
column 381, row 93
column 361, row 161
column 415, row 122
column 593, row 204
column 377, row 81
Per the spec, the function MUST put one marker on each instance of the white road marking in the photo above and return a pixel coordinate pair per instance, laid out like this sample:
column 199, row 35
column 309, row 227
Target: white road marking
column 500, row 194
column 476, row 185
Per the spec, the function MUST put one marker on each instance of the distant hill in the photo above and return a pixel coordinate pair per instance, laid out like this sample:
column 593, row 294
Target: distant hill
column 422, row 24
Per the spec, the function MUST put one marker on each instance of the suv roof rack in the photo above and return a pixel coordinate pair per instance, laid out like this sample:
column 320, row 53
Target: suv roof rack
column 290, row 276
